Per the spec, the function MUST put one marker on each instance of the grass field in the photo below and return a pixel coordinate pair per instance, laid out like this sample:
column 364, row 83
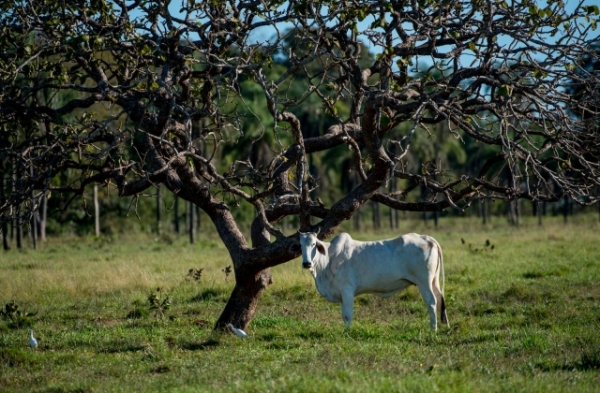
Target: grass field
column 525, row 316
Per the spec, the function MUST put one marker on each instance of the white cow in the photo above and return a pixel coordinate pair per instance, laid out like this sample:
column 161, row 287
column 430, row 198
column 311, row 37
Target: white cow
column 346, row 268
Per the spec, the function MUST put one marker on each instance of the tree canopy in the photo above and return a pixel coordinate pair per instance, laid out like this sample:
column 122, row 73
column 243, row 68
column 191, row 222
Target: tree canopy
column 230, row 103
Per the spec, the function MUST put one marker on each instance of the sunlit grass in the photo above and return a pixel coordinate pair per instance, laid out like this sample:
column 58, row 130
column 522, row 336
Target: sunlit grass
column 524, row 317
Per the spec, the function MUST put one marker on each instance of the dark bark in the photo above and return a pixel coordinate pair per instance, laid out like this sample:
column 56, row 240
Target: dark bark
column 96, row 212
column 158, row 210
column 43, row 216
column 4, row 228
column 34, row 220
column 190, row 222
column 376, row 216
column 176, row 215
column 249, row 287
column 19, row 225
column 243, row 301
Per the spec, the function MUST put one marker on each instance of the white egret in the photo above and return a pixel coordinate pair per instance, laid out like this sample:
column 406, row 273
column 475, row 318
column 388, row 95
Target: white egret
column 32, row 341
column 238, row 332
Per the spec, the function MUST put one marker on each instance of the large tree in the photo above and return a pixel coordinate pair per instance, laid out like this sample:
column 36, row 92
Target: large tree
column 135, row 94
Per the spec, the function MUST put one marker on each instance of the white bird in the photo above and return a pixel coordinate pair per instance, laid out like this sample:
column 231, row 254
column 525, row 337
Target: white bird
column 32, row 341
column 238, row 332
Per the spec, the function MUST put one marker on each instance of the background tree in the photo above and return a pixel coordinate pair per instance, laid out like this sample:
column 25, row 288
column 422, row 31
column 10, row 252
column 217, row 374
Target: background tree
column 147, row 93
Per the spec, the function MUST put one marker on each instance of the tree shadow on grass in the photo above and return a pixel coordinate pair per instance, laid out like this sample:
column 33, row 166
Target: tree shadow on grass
column 210, row 295
column 196, row 346
column 122, row 347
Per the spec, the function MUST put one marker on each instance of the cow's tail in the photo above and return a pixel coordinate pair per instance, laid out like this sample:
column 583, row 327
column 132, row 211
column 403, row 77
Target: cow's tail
column 443, row 315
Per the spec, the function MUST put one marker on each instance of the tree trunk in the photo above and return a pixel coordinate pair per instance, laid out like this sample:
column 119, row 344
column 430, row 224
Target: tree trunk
column 19, row 229
column 19, row 219
column 356, row 220
column 198, row 218
column 4, row 228
column 43, row 216
column 158, row 210
column 33, row 222
column 96, row 212
column 376, row 216
column 5, row 243
column 249, row 286
column 241, row 307
column 191, row 227
column 176, row 215
column 33, row 228
column 394, row 216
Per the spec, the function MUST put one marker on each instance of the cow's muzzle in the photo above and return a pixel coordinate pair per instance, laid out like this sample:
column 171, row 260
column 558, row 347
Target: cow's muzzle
column 307, row 265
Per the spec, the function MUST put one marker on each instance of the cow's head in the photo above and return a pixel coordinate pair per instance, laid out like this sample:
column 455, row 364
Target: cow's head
column 310, row 245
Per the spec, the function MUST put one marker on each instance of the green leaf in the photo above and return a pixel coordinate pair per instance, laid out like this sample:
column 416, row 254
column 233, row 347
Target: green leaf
column 591, row 9
column 505, row 90
column 361, row 15
column 146, row 50
column 381, row 22
column 539, row 74
column 405, row 61
column 533, row 10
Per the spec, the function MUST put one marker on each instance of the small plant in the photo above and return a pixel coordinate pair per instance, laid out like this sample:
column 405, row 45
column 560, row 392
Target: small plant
column 16, row 318
column 195, row 274
column 487, row 246
column 11, row 311
column 589, row 361
column 227, row 271
column 159, row 302
column 137, row 313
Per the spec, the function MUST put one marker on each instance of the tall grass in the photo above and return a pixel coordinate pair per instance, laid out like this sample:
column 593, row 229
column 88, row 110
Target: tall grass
column 525, row 316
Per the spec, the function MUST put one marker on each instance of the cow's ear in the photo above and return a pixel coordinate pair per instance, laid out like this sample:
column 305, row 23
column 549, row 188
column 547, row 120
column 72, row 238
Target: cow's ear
column 294, row 248
column 321, row 248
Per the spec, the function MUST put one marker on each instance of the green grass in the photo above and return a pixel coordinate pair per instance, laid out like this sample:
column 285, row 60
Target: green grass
column 525, row 316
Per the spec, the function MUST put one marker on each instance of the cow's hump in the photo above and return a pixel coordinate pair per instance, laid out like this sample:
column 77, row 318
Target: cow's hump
column 337, row 251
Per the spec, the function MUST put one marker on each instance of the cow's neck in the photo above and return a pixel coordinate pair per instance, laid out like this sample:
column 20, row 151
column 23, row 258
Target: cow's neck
column 323, row 277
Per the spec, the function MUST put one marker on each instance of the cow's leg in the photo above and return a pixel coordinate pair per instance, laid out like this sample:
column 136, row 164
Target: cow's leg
column 430, row 300
column 347, row 307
